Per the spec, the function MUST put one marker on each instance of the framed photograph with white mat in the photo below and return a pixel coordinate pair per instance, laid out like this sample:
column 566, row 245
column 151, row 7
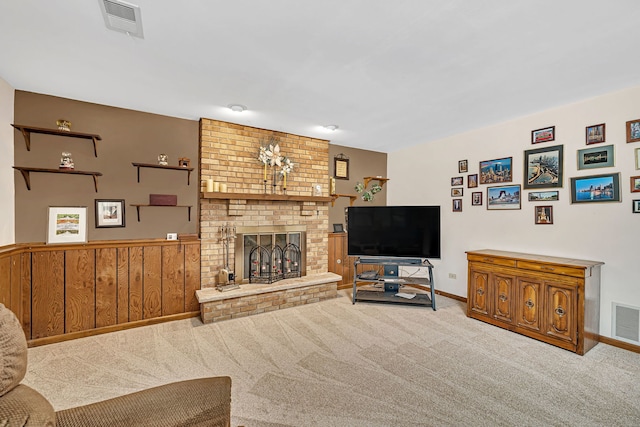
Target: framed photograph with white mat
column 67, row 225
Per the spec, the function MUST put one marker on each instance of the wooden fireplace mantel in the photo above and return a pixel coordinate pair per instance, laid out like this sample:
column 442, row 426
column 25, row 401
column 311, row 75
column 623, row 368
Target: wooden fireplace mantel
column 265, row 197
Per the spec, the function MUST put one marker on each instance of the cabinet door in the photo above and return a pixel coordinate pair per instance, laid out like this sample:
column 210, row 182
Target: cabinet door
column 560, row 312
column 529, row 303
column 502, row 296
column 478, row 292
column 336, row 254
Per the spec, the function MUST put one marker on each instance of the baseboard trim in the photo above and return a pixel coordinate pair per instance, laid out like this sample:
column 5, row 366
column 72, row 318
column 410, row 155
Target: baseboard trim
column 106, row 329
column 620, row 344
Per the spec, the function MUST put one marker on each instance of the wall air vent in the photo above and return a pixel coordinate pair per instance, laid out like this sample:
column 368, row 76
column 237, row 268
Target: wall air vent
column 626, row 323
column 122, row 16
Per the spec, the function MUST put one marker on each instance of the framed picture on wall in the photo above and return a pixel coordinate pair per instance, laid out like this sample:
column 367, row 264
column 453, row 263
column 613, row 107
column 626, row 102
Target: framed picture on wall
column 637, row 158
column 341, row 167
column 457, row 205
column 463, row 166
column 636, row 206
column 543, row 167
column 67, row 225
column 635, row 184
column 597, row 157
column 472, row 180
column 633, row 130
column 503, row 197
column 544, row 214
column 595, row 134
column 543, row 135
column 457, row 180
column 110, row 213
column 495, row 171
column 596, row 188
column 456, row 192
column 543, row 196
column 476, row 198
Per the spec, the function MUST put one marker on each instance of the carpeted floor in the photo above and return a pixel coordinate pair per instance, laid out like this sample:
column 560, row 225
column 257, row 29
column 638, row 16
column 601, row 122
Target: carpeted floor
column 338, row 364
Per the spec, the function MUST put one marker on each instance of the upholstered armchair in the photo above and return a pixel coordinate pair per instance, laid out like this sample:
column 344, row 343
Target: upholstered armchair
column 199, row 402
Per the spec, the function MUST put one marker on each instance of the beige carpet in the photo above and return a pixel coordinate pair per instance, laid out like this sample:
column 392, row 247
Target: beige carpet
column 338, row 364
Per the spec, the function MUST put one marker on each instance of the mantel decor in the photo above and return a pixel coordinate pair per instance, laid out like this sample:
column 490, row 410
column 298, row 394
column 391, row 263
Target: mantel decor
column 341, row 166
column 269, row 155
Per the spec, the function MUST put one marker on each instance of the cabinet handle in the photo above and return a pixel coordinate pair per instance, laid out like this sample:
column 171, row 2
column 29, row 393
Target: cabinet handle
column 502, row 297
column 560, row 311
column 529, row 303
column 338, row 261
column 480, row 291
column 547, row 268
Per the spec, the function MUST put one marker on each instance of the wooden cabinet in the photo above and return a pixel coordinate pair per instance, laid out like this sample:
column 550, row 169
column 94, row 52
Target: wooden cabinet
column 339, row 262
column 552, row 299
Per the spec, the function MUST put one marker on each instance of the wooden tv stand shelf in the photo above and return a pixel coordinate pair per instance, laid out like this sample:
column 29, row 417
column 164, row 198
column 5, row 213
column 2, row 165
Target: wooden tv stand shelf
column 551, row 299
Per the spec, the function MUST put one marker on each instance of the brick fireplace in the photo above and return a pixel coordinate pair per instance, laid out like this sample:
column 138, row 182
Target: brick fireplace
column 229, row 155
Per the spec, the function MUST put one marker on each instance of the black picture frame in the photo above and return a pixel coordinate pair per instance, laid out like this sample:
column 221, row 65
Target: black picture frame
column 543, row 167
column 340, row 167
column 110, row 213
column 338, row 228
column 596, row 188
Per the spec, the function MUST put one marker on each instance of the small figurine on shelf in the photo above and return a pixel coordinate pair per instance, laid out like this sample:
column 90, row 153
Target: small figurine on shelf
column 163, row 160
column 66, row 162
column 64, row 125
column 184, row 162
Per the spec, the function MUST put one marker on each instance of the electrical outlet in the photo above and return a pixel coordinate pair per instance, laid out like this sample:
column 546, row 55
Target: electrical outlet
column 452, row 275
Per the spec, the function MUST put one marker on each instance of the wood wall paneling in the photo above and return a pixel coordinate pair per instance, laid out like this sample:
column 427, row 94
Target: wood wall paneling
column 106, row 288
column 123, row 285
column 172, row 280
column 152, row 282
column 5, row 277
column 135, row 283
column 80, row 292
column 191, row 277
column 47, row 298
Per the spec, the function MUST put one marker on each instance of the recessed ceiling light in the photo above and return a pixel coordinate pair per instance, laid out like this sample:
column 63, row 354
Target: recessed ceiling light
column 238, row 108
column 331, row 127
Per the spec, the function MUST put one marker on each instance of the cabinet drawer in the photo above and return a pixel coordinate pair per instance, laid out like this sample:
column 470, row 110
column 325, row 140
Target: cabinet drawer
column 553, row 269
column 487, row 259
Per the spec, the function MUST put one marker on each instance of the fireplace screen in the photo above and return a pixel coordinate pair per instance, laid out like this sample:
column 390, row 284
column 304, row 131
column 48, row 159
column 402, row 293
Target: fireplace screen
column 270, row 257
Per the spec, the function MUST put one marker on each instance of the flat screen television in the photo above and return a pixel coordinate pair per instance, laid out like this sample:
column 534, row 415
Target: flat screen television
column 394, row 231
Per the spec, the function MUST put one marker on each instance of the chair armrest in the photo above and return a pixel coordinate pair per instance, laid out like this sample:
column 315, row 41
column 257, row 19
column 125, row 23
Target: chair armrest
column 199, row 402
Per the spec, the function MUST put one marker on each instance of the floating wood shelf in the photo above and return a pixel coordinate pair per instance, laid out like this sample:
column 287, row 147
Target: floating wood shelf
column 28, row 130
column 266, row 197
column 27, row 180
column 138, row 206
column 154, row 166
column 368, row 179
column 352, row 198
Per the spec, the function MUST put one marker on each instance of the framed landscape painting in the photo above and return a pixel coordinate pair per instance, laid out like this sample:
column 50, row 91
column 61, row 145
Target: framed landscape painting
column 543, row 196
column 596, row 188
column 598, row 157
column 495, row 171
column 633, row 130
column 503, row 197
column 543, row 167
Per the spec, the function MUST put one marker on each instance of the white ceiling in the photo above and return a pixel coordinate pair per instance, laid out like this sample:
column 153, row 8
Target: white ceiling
column 390, row 73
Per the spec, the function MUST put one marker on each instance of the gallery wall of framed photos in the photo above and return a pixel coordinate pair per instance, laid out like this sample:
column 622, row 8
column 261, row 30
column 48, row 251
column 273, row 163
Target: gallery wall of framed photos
column 560, row 182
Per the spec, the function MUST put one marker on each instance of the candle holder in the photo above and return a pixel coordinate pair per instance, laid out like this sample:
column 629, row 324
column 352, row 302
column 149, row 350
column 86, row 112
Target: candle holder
column 265, row 186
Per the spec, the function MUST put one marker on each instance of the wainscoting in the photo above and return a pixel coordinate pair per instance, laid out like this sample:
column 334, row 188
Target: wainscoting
column 67, row 291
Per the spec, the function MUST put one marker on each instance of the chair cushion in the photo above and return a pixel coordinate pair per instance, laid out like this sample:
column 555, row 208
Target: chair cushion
column 13, row 351
column 23, row 406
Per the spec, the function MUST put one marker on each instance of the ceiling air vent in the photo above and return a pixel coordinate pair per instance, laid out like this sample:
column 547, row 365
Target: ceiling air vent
column 122, row 16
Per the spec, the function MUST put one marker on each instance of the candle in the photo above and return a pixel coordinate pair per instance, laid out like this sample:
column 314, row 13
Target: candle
column 216, row 187
column 209, row 185
column 223, row 187
column 285, row 180
column 265, row 171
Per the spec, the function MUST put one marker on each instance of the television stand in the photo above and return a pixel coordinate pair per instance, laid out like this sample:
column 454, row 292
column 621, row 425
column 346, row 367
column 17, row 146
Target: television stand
column 391, row 286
